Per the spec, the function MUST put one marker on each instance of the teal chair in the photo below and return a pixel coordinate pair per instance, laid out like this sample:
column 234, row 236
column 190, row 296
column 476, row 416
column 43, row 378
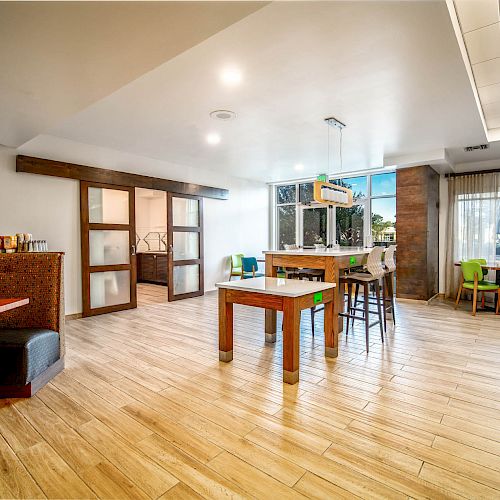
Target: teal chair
column 250, row 268
column 471, row 274
column 236, row 269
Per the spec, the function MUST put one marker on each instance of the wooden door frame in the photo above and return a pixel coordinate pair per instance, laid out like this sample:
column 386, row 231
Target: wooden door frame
column 189, row 229
column 87, row 269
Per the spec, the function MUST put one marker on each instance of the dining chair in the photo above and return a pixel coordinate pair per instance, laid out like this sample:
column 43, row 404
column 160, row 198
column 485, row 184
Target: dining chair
column 235, row 265
column 250, row 268
column 471, row 272
column 485, row 273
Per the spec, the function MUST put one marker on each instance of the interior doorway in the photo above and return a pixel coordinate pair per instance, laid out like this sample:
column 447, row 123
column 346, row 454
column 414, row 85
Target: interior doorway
column 152, row 246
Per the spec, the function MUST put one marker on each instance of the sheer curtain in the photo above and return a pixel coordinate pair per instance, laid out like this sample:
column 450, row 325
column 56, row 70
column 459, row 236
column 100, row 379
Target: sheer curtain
column 473, row 229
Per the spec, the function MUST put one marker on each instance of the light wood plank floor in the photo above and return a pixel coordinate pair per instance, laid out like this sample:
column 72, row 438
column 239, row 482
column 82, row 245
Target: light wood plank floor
column 145, row 410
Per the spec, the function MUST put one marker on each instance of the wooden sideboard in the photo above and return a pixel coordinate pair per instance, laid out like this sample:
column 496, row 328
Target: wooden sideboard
column 152, row 267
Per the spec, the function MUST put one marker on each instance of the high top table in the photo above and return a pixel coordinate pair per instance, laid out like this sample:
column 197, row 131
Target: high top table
column 333, row 262
column 277, row 294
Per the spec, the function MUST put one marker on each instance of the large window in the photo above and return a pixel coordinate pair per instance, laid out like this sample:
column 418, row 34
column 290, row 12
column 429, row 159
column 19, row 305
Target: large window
column 372, row 218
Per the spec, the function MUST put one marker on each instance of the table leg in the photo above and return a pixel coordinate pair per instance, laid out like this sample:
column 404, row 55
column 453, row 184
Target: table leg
column 389, row 291
column 291, row 340
column 225, row 327
column 332, row 276
column 331, row 337
column 270, row 321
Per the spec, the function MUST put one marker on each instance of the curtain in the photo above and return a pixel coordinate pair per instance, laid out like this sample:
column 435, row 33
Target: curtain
column 473, row 229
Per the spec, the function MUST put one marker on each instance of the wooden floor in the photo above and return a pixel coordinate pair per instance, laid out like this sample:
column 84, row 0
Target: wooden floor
column 145, row 410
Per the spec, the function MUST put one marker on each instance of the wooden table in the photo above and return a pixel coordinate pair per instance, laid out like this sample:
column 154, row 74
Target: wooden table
column 276, row 294
column 491, row 266
column 8, row 304
column 333, row 262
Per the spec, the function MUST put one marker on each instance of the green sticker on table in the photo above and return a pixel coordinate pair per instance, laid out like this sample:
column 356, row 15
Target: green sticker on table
column 318, row 297
column 352, row 260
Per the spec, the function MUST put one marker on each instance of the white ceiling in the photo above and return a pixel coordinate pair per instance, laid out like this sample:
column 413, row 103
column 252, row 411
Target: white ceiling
column 57, row 58
column 392, row 71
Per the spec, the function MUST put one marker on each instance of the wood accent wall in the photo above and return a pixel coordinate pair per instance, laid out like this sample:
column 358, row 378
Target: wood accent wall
column 417, row 230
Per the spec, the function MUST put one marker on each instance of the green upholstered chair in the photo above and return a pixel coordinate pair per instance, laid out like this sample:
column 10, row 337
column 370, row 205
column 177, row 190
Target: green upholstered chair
column 236, row 269
column 250, row 268
column 471, row 274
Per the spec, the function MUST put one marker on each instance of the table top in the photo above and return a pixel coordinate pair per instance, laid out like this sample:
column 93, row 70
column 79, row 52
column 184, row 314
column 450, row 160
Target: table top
column 277, row 286
column 489, row 265
column 8, row 304
column 329, row 252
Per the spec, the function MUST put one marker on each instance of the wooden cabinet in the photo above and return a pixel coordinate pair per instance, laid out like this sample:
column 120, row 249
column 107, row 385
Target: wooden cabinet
column 152, row 268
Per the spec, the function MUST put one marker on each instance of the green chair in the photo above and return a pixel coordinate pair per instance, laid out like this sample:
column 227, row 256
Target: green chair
column 250, row 268
column 485, row 273
column 236, row 269
column 471, row 272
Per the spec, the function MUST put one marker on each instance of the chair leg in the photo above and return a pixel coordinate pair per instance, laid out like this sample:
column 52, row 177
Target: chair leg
column 349, row 306
column 356, row 291
column 384, row 301
column 474, row 302
column 379, row 309
column 459, row 294
column 498, row 302
column 366, row 287
column 312, row 320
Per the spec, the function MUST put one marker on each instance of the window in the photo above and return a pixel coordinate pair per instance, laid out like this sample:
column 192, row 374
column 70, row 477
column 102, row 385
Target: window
column 359, row 185
column 384, row 219
column 306, row 192
column 384, row 184
column 286, row 194
column 286, row 226
column 373, row 215
column 314, row 226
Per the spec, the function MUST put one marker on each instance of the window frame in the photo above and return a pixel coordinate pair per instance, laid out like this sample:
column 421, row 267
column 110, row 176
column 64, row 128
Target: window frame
column 331, row 212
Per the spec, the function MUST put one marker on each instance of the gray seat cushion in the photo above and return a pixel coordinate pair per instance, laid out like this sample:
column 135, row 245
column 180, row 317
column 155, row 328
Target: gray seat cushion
column 25, row 353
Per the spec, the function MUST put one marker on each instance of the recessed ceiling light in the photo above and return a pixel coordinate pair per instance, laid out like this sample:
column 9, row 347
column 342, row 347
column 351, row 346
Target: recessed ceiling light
column 231, row 76
column 299, row 167
column 213, row 138
column 223, row 114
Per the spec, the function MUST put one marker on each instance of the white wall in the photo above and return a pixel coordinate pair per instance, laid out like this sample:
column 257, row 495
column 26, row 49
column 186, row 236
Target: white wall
column 48, row 207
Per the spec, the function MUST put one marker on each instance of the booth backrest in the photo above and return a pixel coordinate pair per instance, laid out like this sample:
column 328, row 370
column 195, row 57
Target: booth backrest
column 39, row 277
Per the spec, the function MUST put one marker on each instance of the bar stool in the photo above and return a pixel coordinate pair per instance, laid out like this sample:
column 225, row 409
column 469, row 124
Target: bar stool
column 375, row 273
column 312, row 275
column 390, row 267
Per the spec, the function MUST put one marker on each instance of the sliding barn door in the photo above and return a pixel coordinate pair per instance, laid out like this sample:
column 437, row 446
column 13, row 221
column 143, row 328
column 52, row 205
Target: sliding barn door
column 109, row 272
column 185, row 246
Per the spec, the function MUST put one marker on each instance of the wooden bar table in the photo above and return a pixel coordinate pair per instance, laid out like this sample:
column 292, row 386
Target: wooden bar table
column 277, row 294
column 9, row 304
column 333, row 262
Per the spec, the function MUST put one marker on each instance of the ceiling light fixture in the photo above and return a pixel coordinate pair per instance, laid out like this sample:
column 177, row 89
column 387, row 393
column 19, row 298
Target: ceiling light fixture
column 231, row 76
column 327, row 192
column 213, row 138
column 223, row 114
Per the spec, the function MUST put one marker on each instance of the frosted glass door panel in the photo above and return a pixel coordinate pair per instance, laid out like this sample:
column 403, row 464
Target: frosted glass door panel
column 186, row 279
column 185, row 212
column 186, row 245
column 109, row 288
column 108, row 206
column 109, row 248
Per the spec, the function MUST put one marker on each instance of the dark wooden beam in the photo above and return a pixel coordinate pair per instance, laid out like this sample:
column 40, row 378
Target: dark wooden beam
column 54, row 168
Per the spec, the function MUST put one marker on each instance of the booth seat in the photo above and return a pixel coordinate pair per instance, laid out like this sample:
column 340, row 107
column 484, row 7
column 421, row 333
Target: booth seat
column 31, row 337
